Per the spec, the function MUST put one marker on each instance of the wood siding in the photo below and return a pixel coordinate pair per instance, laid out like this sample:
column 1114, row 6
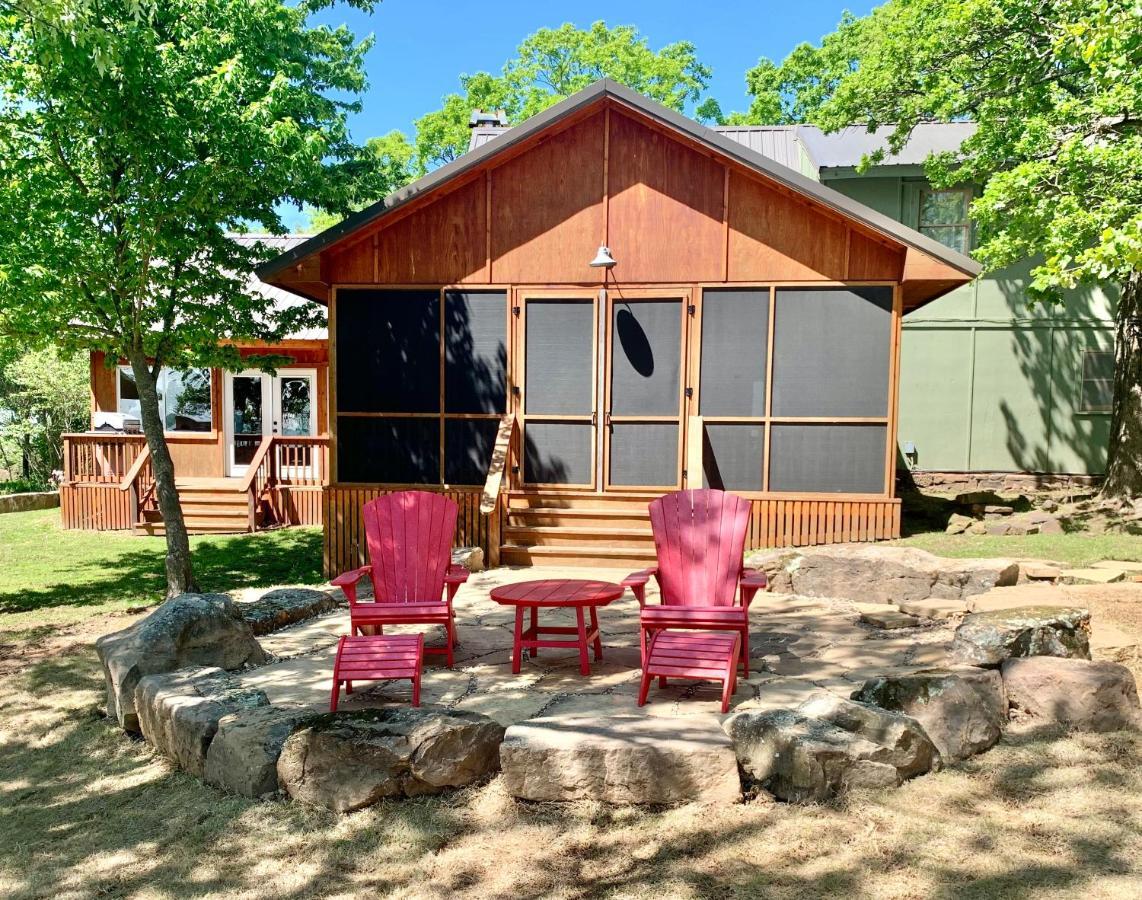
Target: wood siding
column 345, row 531
column 95, row 507
column 802, row 523
column 203, row 454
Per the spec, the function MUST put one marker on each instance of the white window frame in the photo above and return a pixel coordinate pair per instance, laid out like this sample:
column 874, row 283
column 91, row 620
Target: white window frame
column 119, row 400
column 965, row 226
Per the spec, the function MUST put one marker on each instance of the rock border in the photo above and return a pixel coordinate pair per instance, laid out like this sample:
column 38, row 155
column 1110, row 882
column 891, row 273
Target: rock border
column 169, row 678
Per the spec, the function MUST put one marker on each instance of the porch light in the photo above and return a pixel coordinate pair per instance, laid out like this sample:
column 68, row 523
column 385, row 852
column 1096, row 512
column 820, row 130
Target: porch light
column 603, row 259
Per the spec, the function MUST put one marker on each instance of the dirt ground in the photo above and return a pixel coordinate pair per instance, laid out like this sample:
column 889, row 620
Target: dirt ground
column 88, row 812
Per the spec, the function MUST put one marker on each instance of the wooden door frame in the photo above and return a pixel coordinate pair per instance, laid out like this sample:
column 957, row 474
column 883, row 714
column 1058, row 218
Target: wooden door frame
column 684, row 295
column 520, row 298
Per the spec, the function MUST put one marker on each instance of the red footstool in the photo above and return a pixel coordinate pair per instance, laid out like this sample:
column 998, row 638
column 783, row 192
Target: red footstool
column 377, row 657
column 703, row 655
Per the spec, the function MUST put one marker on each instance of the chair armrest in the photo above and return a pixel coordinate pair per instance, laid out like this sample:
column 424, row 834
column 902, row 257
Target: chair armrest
column 347, row 581
column 453, row 578
column 751, row 581
column 637, row 581
column 456, row 575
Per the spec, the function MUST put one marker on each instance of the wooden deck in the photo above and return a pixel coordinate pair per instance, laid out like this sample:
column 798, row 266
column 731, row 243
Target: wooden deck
column 109, row 486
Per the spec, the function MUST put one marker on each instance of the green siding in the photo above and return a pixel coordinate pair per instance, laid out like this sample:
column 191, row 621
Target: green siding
column 990, row 382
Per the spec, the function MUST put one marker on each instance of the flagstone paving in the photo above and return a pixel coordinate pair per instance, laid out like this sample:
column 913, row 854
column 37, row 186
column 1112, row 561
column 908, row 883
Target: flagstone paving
column 798, row 646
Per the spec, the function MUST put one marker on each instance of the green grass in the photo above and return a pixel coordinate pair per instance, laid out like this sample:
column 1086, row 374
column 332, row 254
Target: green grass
column 52, row 577
column 23, row 486
column 1076, row 549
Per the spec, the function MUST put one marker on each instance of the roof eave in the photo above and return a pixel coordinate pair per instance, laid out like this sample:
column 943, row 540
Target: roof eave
column 838, row 202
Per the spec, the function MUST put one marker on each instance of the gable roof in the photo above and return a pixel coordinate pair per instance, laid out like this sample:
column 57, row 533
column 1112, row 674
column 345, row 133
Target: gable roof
column 662, row 115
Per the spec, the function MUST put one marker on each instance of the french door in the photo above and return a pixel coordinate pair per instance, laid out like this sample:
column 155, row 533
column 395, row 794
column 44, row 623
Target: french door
column 602, row 389
column 258, row 405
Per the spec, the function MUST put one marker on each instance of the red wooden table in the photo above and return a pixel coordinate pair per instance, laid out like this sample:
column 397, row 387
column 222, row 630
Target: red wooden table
column 585, row 597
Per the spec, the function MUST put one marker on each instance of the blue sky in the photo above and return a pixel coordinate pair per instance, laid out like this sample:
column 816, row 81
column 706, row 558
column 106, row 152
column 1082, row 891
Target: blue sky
column 422, row 48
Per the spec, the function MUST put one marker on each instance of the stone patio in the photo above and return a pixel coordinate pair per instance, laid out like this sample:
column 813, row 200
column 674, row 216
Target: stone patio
column 798, row 646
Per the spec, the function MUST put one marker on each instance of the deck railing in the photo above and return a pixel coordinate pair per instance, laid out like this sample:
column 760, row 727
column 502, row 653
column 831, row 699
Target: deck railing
column 504, row 454
column 100, row 458
column 284, row 462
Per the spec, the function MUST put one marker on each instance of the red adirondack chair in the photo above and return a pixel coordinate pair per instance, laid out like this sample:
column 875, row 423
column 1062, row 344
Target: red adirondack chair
column 409, row 536
column 699, row 538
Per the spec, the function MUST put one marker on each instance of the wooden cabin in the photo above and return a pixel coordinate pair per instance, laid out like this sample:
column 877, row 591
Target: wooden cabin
column 746, row 337
column 249, row 447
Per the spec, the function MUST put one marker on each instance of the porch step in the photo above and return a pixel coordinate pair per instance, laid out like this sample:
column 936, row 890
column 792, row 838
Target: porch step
column 553, row 535
column 568, row 555
column 209, row 506
column 604, row 530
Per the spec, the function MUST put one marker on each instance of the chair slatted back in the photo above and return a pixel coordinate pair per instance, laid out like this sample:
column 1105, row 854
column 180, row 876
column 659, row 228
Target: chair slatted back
column 409, row 536
column 699, row 536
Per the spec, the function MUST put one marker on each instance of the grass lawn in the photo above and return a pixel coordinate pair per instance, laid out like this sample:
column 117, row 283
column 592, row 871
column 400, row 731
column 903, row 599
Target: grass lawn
column 1074, row 549
column 87, row 812
column 51, row 577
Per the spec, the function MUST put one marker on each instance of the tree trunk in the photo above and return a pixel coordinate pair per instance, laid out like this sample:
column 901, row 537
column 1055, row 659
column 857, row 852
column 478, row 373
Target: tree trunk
column 1124, row 456
column 180, row 578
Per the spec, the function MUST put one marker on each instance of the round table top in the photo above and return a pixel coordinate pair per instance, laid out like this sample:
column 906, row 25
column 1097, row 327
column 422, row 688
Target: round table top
column 558, row 592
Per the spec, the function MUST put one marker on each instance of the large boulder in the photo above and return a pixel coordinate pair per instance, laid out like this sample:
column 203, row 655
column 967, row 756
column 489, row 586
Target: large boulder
column 285, row 606
column 988, row 638
column 621, row 759
column 179, row 711
column 349, row 760
column 911, row 750
column 962, row 710
column 875, row 574
column 188, row 630
column 799, row 758
column 1094, row 696
column 243, row 757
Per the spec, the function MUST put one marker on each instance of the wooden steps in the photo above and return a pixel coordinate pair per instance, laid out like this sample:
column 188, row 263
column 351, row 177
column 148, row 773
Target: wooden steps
column 209, row 506
column 602, row 530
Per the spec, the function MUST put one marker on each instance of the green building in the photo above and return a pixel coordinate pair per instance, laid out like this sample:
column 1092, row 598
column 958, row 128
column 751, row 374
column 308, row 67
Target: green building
column 989, row 383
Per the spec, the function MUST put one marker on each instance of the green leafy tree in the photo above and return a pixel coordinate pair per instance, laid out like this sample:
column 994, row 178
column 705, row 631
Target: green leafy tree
column 1057, row 94
column 43, row 395
column 553, row 64
column 134, row 134
column 393, row 169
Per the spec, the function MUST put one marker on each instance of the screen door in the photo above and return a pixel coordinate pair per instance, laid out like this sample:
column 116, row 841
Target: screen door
column 559, row 390
column 643, row 421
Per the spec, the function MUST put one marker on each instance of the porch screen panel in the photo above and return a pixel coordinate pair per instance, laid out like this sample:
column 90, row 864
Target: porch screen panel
column 732, row 455
column 468, row 449
column 388, row 450
column 558, row 453
column 827, row 458
column 831, row 351
column 646, row 358
column 560, row 349
column 735, row 334
column 388, row 351
column 644, row 454
column 475, row 352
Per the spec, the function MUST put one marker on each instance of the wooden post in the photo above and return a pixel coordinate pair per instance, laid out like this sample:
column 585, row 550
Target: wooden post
column 695, row 433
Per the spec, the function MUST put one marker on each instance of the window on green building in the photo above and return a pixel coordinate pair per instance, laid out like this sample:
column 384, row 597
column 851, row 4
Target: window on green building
column 944, row 217
column 1097, row 391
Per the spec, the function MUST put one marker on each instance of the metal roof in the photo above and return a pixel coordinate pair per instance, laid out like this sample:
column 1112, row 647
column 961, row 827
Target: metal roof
column 777, row 142
column 281, row 299
column 847, row 147
column 602, row 89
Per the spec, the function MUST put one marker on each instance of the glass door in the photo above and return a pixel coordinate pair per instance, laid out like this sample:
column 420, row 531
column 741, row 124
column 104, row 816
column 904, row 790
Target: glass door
column 258, row 404
column 247, row 411
column 644, row 385
column 295, row 415
column 559, row 403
